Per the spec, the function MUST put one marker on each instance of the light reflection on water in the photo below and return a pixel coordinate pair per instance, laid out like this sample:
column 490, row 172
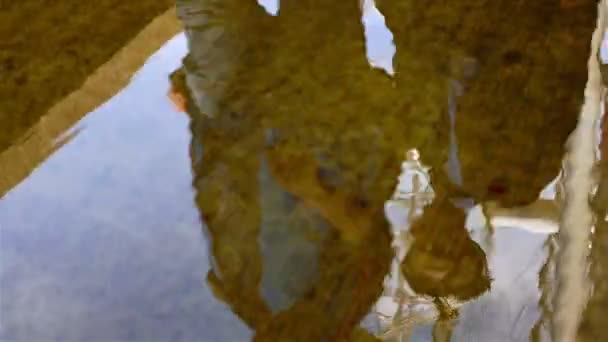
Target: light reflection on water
column 103, row 241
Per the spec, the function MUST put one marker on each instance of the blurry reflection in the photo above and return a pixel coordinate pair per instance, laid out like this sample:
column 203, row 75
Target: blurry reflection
column 327, row 286
column 234, row 168
column 542, row 329
column 292, row 129
column 438, row 265
column 593, row 326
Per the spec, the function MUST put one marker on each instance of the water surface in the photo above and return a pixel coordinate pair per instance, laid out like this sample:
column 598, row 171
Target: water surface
column 261, row 210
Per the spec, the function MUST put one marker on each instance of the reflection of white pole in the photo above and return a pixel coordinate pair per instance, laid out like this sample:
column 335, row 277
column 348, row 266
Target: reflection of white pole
column 576, row 221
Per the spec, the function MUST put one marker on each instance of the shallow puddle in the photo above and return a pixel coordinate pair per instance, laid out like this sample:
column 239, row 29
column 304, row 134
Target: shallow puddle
column 299, row 171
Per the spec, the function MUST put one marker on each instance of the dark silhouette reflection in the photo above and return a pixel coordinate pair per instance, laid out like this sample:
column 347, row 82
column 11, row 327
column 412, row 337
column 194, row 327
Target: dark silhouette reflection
column 290, row 103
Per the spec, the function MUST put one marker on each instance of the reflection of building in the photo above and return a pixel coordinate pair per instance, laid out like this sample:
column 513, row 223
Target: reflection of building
column 40, row 141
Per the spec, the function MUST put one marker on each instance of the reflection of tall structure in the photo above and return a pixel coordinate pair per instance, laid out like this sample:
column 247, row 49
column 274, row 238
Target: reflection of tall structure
column 593, row 324
column 576, row 221
column 36, row 144
column 315, row 105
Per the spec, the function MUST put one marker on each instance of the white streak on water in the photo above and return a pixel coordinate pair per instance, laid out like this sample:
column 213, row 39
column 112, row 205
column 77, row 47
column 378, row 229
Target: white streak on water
column 577, row 219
